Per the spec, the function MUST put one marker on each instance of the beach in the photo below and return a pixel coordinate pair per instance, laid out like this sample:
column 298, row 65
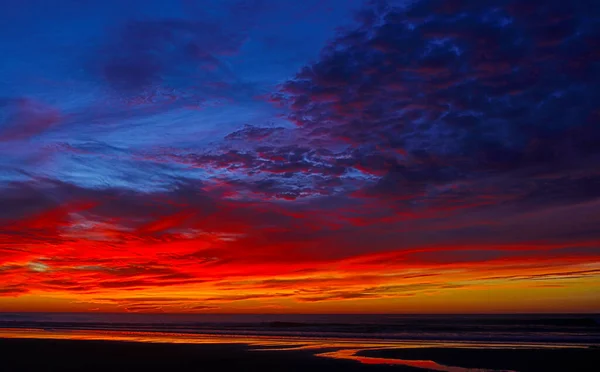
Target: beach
column 221, row 342
column 516, row 359
column 67, row 355
column 30, row 350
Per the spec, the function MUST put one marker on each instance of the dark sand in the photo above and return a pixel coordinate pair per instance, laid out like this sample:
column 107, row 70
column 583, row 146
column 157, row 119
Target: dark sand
column 67, row 355
column 522, row 360
column 70, row 355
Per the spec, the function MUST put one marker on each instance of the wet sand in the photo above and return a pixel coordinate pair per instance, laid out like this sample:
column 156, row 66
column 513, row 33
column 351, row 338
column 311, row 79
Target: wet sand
column 68, row 355
column 521, row 360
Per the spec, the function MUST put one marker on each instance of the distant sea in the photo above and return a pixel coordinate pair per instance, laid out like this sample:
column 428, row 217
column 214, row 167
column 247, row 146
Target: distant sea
column 530, row 328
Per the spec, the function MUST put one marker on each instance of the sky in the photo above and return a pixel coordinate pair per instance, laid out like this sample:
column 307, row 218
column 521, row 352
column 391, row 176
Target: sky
column 315, row 156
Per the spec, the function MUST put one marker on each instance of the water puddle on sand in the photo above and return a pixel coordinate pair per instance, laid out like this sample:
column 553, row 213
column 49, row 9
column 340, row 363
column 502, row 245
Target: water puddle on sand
column 429, row 365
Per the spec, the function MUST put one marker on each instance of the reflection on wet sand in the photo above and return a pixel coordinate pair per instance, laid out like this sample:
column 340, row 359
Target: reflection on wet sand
column 425, row 364
column 335, row 348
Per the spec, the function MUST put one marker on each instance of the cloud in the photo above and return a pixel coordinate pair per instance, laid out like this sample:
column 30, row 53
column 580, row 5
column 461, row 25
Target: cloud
column 426, row 148
column 252, row 133
column 13, row 290
column 22, row 118
column 441, row 100
column 143, row 53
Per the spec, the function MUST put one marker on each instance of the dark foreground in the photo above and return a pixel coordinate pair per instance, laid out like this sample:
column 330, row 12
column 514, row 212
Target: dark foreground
column 108, row 356
column 521, row 360
column 69, row 355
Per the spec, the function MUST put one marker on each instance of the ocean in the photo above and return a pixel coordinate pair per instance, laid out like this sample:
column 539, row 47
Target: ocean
column 537, row 328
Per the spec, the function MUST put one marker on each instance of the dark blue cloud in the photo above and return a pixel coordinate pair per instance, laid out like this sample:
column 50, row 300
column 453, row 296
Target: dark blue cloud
column 460, row 92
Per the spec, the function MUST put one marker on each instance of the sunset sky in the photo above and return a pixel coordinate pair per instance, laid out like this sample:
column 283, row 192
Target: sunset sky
column 314, row 156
